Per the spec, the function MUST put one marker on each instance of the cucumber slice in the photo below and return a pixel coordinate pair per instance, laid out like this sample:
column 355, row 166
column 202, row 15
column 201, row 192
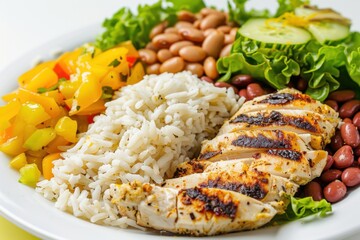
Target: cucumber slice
column 267, row 31
column 328, row 31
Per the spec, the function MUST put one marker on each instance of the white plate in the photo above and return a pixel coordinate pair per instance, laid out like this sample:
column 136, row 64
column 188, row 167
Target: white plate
column 30, row 211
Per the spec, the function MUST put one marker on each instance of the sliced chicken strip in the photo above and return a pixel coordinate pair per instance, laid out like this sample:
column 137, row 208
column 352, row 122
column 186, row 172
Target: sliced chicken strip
column 195, row 211
column 298, row 121
column 262, row 186
column 243, row 144
column 288, row 99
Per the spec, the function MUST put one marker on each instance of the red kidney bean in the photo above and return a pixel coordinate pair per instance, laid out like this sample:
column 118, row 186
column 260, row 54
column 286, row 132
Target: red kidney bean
column 336, row 141
column 329, row 162
column 350, row 134
column 243, row 93
column 349, row 108
column 242, row 80
column 313, row 189
column 342, row 95
column 351, row 176
column 335, row 191
column 254, row 90
column 207, row 79
column 333, row 104
column 301, row 84
column 330, row 175
column 347, row 120
column 356, row 120
column 343, row 157
column 357, row 151
column 226, row 85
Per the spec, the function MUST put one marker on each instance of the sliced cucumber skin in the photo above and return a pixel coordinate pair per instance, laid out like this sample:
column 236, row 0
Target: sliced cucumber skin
column 328, row 31
column 267, row 31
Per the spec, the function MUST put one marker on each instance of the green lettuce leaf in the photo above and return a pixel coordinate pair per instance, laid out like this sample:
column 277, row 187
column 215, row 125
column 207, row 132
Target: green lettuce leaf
column 303, row 207
column 289, row 6
column 125, row 25
column 239, row 14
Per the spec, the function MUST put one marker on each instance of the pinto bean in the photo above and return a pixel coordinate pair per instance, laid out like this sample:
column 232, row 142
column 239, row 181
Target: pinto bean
column 197, row 24
column 165, row 40
column 330, row 175
column 343, row 157
column 148, row 56
column 313, row 189
column 229, row 39
column 333, row 104
column 171, row 30
column 153, row 69
column 173, row 65
column 342, row 95
column 350, row 134
column 242, row 80
column 213, row 44
column 254, row 90
column 151, row 46
column 175, row 48
column 226, row 50
column 183, row 24
column 192, row 53
column 207, row 11
column 349, row 108
column 210, row 68
column 158, row 29
column 336, row 141
column 192, row 34
column 356, row 120
column 212, row 21
column 164, row 54
column 207, row 32
column 195, row 68
column 186, row 16
column 225, row 29
column 335, row 191
column 351, row 176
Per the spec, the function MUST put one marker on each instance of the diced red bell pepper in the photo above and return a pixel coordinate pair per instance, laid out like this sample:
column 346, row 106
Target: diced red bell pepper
column 131, row 60
column 90, row 118
column 61, row 72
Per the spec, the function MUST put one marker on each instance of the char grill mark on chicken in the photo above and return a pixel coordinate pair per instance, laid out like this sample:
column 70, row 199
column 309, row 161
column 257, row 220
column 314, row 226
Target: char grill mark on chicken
column 243, row 176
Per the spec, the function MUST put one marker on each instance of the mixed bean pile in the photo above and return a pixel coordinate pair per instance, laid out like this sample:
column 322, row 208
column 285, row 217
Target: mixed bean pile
column 194, row 44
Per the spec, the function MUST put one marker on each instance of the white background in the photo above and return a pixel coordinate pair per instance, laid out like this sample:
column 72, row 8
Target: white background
column 26, row 24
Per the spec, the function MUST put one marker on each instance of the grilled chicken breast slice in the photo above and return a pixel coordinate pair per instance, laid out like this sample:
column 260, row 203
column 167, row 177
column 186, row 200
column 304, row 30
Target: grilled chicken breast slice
column 245, row 143
column 289, row 99
column 195, row 211
column 241, row 178
column 298, row 121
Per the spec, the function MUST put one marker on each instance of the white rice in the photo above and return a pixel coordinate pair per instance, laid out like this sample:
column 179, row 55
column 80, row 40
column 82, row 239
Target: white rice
column 144, row 134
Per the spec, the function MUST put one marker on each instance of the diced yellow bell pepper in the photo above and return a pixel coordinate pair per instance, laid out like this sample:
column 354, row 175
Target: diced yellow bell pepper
column 29, row 175
column 113, row 80
column 49, row 104
column 107, row 58
column 68, row 88
column 6, row 134
column 95, row 108
column 10, row 96
column 7, row 112
column 54, row 145
column 44, row 79
column 89, row 92
column 39, row 139
column 27, row 76
column 137, row 74
column 33, row 113
column 19, row 161
column 67, row 128
column 130, row 47
column 13, row 146
column 68, row 60
column 47, row 165
column 21, row 128
column 56, row 95
column 98, row 70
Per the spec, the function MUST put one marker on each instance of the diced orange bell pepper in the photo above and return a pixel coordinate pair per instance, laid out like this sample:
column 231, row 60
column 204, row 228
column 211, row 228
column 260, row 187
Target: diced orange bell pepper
column 49, row 104
column 47, row 165
column 44, row 79
column 7, row 112
column 89, row 92
column 137, row 74
column 27, row 76
column 6, row 134
column 54, row 145
column 66, row 64
column 129, row 46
